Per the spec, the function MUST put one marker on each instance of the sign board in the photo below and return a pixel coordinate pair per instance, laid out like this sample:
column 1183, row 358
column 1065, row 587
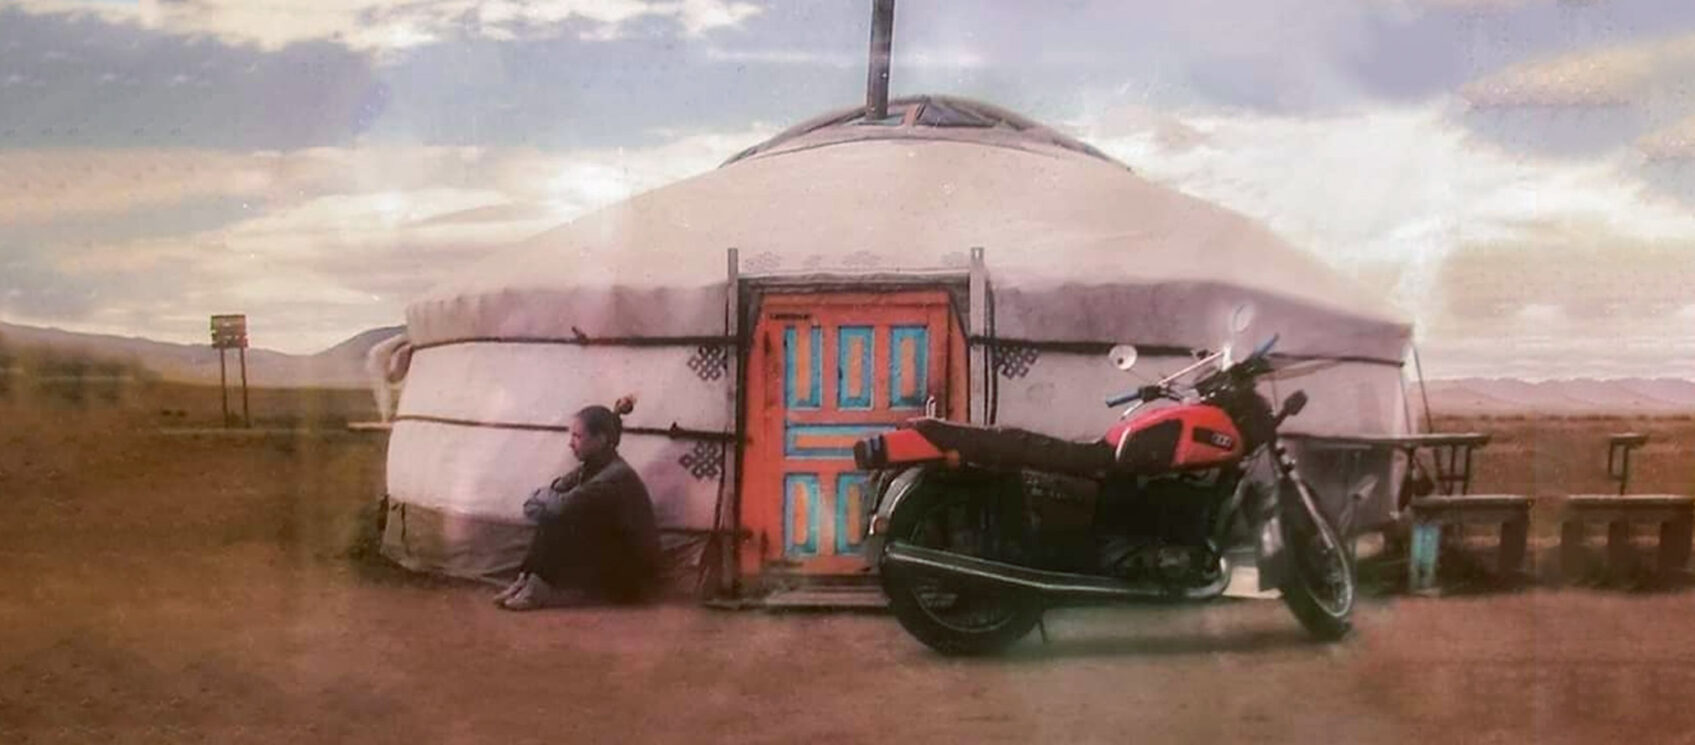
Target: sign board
column 229, row 332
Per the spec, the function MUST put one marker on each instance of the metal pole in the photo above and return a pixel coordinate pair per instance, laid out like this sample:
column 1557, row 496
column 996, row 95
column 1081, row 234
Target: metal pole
column 882, row 39
column 246, row 419
column 1429, row 419
column 978, row 354
column 224, row 385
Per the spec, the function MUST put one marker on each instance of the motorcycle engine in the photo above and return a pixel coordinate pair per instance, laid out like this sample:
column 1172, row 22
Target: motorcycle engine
column 1158, row 528
column 1169, row 565
column 1175, row 508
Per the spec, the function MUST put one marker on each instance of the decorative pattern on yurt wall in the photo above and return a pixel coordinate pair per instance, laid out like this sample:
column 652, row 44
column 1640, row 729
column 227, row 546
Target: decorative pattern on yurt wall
column 482, row 424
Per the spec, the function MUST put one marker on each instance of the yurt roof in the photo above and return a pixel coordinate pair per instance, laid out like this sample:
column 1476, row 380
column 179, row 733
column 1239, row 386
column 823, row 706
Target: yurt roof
column 922, row 118
column 1077, row 247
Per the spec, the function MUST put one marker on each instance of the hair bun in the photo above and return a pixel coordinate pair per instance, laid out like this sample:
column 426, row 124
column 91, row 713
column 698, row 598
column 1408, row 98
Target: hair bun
column 625, row 405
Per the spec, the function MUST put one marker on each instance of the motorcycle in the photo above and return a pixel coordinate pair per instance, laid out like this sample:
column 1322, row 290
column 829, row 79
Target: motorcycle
column 977, row 531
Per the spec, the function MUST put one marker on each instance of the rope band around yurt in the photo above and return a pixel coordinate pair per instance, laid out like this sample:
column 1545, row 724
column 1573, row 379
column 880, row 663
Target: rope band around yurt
column 675, row 431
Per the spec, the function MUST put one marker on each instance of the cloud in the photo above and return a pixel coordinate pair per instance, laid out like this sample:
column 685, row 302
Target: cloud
column 47, row 186
column 1482, row 6
column 43, row 185
column 339, row 240
column 1622, row 75
column 949, row 58
column 1462, row 234
column 1676, row 142
column 379, row 27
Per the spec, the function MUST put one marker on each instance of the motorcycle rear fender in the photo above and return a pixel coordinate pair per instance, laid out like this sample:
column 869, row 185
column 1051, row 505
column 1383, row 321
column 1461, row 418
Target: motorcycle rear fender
column 898, row 449
column 904, row 484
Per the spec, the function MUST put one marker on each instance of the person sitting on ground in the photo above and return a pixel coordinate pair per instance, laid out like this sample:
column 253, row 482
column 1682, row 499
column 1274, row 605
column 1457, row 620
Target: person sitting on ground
column 596, row 537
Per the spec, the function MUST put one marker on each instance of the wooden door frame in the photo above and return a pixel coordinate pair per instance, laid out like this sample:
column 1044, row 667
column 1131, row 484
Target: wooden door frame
column 751, row 294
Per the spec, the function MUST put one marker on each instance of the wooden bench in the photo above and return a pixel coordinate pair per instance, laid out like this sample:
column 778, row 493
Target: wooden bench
column 1431, row 514
column 1675, row 515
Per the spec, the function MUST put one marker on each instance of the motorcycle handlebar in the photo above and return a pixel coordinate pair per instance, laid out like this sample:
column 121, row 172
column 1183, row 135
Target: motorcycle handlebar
column 1157, row 390
column 1145, row 393
column 1118, row 401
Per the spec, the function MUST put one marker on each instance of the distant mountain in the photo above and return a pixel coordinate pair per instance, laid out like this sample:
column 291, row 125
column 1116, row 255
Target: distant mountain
column 343, row 366
column 340, row 366
column 1651, row 396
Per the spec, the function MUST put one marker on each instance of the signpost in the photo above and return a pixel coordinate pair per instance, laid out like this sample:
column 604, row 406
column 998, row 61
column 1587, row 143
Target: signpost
column 230, row 332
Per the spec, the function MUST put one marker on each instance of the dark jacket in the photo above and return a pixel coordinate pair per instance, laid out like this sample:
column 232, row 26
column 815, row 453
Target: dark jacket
column 609, row 498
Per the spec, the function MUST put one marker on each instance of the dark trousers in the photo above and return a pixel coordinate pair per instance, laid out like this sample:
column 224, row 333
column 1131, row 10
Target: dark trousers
column 586, row 549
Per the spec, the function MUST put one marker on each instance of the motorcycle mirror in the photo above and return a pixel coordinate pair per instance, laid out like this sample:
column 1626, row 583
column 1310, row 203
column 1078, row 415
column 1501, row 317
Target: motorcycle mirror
column 1123, row 357
column 1294, row 403
column 1241, row 318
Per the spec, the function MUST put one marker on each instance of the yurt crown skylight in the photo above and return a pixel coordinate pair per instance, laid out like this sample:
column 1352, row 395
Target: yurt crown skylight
column 921, row 117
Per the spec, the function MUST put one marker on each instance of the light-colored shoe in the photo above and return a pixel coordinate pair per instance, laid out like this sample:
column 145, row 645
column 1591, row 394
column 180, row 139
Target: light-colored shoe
column 512, row 589
column 537, row 593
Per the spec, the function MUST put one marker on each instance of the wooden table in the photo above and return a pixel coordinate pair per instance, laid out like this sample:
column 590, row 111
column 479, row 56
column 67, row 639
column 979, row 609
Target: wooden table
column 1452, row 456
column 1450, row 450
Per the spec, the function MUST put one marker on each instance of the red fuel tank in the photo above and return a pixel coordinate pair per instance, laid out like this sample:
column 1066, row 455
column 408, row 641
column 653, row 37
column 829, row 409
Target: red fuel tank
column 1177, row 438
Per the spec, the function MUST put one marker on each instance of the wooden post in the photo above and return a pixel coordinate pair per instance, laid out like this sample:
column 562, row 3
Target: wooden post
column 882, row 40
column 246, row 417
column 1675, row 535
column 730, row 549
column 1515, row 534
column 224, row 385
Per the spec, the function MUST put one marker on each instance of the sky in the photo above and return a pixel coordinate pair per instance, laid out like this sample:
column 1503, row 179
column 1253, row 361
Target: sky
column 1517, row 176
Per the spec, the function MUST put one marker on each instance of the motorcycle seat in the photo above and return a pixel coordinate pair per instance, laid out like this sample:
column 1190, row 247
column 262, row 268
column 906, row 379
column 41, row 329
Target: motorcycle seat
column 1009, row 447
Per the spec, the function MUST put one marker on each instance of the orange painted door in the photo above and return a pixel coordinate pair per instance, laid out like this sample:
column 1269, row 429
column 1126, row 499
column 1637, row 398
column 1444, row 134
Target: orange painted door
column 826, row 370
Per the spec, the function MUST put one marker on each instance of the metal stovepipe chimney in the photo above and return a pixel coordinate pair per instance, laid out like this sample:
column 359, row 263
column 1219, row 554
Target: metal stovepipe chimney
column 882, row 39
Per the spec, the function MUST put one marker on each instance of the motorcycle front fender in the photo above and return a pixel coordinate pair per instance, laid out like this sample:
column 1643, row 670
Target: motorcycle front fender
column 1263, row 500
column 1270, row 557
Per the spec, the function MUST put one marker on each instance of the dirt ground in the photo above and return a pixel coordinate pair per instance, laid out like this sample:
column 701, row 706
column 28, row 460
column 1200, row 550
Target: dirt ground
column 207, row 588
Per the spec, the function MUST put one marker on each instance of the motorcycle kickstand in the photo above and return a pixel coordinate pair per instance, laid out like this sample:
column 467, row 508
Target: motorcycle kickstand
column 1042, row 626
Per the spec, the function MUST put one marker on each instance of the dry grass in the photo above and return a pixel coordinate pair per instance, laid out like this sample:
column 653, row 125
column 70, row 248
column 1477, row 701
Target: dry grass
column 1557, row 456
column 199, row 588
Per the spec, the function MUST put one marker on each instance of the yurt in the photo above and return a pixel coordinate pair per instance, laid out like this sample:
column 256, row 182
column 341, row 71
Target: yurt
column 824, row 285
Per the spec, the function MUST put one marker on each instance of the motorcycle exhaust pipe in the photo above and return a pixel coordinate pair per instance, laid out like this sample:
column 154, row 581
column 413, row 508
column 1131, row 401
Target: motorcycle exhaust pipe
column 1049, row 586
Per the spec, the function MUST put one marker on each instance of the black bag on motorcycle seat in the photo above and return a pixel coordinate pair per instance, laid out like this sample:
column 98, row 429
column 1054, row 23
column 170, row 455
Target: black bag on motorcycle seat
column 1013, row 449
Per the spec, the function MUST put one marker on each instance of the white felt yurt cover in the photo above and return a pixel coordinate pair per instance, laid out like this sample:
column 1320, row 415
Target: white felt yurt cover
column 1077, row 249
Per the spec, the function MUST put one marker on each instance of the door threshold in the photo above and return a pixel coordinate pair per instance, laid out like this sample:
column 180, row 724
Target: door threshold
column 867, row 596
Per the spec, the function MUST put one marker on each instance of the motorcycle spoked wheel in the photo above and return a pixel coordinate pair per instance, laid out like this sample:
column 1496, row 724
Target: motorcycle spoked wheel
column 948, row 616
column 1321, row 586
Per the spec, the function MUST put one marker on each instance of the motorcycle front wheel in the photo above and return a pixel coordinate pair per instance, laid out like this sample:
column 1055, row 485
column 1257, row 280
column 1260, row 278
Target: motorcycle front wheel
column 1321, row 583
column 948, row 616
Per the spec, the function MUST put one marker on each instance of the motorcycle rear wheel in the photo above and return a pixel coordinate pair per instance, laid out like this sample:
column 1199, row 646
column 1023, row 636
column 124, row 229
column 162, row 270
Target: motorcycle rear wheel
column 949, row 617
column 1321, row 583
